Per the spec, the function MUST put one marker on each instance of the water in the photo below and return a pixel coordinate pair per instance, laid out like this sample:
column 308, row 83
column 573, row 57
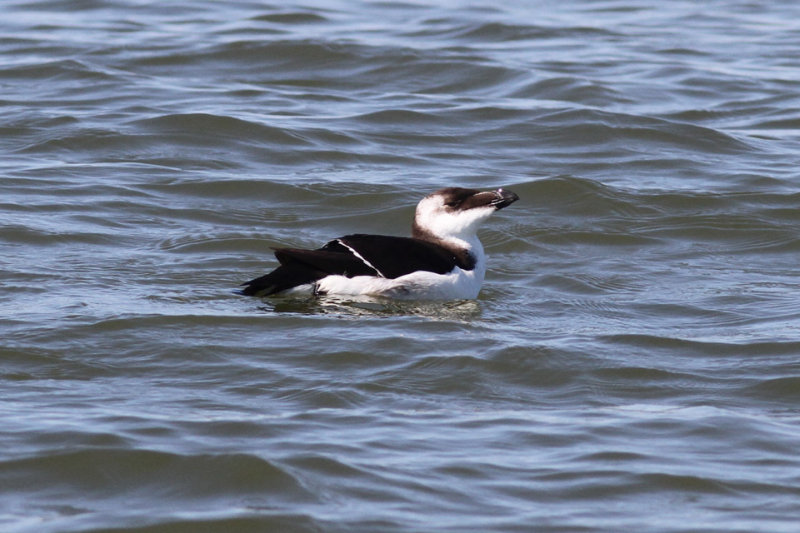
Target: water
column 631, row 363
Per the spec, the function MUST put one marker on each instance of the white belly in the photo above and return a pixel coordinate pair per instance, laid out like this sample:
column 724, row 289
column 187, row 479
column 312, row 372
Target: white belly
column 456, row 285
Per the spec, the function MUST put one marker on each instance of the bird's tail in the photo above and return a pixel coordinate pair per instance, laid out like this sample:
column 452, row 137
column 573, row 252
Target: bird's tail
column 280, row 279
column 291, row 273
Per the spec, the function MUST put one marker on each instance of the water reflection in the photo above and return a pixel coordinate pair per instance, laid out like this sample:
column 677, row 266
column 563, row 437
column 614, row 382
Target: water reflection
column 372, row 306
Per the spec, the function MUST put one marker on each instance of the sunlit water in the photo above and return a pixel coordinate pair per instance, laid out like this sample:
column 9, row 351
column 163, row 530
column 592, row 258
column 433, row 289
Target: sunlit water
column 632, row 363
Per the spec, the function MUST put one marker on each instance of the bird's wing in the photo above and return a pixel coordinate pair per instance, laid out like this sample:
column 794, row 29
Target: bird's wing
column 393, row 257
column 325, row 261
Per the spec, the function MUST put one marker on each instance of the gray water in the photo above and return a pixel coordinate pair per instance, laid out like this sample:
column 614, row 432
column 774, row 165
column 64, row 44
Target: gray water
column 632, row 363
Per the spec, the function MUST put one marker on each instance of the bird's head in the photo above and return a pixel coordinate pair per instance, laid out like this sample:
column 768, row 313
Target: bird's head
column 456, row 213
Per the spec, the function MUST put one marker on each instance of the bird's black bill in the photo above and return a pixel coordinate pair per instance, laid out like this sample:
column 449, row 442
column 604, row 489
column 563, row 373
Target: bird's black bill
column 504, row 198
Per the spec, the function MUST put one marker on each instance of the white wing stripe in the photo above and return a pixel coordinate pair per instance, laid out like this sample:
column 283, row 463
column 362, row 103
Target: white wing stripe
column 360, row 257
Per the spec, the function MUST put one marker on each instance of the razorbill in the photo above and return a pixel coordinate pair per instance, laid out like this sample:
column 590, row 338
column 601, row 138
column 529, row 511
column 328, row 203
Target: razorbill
column 442, row 260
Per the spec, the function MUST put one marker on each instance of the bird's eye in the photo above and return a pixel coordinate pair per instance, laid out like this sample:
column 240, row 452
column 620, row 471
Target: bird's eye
column 451, row 203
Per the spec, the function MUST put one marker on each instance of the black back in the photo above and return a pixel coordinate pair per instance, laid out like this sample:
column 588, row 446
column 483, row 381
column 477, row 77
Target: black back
column 398, row 256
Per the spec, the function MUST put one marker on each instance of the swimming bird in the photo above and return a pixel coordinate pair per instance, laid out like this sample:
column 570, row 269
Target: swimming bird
column 442, row 260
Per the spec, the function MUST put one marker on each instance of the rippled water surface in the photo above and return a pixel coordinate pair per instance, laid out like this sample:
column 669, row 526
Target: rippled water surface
column 632, row 363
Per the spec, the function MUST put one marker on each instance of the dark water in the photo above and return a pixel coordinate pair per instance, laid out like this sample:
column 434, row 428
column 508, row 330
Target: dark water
column 633, row 362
